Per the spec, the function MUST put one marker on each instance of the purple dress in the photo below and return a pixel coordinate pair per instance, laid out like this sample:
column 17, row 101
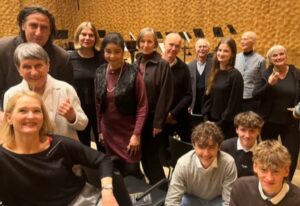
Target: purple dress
column 117, row 128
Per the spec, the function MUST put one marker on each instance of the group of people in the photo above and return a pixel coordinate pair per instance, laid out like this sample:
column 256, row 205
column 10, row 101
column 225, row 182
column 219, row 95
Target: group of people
column 52, row 99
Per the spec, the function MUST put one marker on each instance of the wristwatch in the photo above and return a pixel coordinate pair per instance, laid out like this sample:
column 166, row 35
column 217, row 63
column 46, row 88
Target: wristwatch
column 107, row 187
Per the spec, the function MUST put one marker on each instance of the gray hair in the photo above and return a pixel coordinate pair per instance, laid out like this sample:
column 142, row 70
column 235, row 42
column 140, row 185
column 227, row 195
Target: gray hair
column 30, row 51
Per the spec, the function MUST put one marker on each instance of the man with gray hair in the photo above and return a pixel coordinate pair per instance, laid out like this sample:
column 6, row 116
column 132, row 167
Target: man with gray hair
column 178, row 117
column 251, row 65
column 200, row 70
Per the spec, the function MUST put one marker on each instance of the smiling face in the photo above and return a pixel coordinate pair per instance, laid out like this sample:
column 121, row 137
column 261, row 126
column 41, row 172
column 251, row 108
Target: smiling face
column 37, row 28
column 271, row 179
column 202, row 49
column 34, row 72
column 248, row 41
column 247, row 136
column 87, row 38
column 27, row 116
column 172, row 46
column 279, row 58
column 114, row 55
column 207, row 153
column 224, row 54
column 147, row 43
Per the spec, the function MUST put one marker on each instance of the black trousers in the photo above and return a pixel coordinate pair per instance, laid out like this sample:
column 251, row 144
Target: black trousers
column 250, row 105
column 289, row 134
column 85, row 135
column 150, row 152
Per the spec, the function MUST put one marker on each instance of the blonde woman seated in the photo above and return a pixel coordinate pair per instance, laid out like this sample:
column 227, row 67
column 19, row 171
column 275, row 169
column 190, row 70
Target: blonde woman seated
column 36, row 168
column 60, row 98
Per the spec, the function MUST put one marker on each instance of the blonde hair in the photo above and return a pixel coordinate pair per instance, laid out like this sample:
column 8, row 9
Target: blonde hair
column 273, row 49
column 78, row 30
column 7, row 130
column 270, row 153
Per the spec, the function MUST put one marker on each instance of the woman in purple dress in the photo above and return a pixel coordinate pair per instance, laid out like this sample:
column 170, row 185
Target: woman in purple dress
column 121, row 106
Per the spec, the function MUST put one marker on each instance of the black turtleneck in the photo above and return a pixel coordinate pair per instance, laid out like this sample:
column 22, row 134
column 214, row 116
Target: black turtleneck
column 248, row 53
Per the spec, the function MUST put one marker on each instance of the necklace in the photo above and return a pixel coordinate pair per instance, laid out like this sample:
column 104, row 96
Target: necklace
column 109, row 68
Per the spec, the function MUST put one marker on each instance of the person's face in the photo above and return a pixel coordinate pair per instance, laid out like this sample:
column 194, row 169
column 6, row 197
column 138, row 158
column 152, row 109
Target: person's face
column 114, row 55
column 279, row 58
column 202, row 49
column 271, row 179
column 34, row 72
column 147, row 43
column 248, row 136
column 37, row 28
column 27, row 116
column 247, row 43
column 224, row 54
column 207, row 154
column 87, row 38
column 172, row 46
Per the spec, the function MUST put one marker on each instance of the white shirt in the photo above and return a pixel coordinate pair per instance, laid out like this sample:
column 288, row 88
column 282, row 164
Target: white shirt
column 277, row 198
column 200, row 67
column 240, row 146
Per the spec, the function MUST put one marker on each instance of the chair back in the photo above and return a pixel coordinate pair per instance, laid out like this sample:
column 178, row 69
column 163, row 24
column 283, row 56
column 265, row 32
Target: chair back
column 178, row 148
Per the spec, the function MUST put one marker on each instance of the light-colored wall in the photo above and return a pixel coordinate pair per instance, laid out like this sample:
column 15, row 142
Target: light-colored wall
column 274, row 21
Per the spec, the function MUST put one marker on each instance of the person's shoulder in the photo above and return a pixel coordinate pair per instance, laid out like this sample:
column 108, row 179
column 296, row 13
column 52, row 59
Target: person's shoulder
column 246, row 181
column 63, row 141
column 239, row 55
column 58, row 50
column 229, row 143
column 187, row 158
column 259, row 56
column 10, row 42
column 59, row 83
column 225, row 158
column 17, row 88
column 235, row 73
column 192, row 63
column 73, row 54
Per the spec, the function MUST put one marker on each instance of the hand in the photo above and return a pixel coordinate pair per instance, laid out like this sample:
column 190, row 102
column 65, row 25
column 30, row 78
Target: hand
column 170, row 119
column 66, row 110
column 108, row 198
column 273, row 78
column 101, row 138
column 134, row 145
column 156, row 131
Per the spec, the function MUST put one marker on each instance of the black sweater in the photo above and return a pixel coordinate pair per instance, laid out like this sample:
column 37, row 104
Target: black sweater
column 46, row 178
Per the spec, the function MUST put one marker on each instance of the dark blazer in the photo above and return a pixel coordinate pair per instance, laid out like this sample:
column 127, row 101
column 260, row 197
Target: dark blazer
column 193, row 69
column 159, row 85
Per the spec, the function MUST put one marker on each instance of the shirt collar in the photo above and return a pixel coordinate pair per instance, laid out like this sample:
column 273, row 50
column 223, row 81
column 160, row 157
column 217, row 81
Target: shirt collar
column 240, row 147
column 277, row 198
column 173, row 62
column 213, row 165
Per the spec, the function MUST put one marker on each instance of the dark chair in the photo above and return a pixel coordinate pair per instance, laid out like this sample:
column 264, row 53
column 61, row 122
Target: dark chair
column 196, row 119
column 119, row 188
column 178, row 148
column 124, row 189
column 136, row 186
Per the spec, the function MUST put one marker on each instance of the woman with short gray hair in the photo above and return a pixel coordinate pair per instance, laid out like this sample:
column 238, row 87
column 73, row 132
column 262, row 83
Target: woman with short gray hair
column 59, row 97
